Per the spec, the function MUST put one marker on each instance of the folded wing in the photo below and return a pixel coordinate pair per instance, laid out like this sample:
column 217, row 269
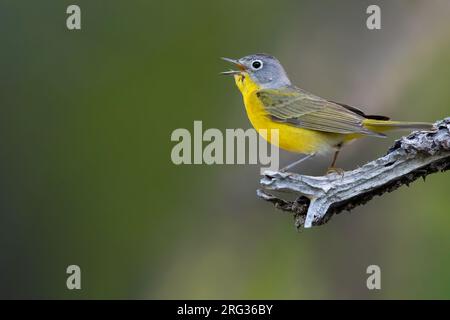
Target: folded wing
column 299, row 108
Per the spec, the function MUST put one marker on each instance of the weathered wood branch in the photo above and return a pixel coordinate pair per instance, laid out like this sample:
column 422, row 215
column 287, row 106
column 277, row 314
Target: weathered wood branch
column 318, row 198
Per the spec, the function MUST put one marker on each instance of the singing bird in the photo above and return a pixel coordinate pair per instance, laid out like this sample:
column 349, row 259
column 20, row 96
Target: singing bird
column 306, row 123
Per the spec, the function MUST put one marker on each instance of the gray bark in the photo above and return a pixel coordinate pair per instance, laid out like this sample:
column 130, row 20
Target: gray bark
column 318, row 198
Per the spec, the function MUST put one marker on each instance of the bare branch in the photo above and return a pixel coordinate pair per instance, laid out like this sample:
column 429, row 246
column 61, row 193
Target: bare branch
column 318, row 198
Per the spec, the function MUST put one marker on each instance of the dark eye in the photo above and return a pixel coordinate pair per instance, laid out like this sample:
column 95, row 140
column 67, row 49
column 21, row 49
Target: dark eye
column 257, row 64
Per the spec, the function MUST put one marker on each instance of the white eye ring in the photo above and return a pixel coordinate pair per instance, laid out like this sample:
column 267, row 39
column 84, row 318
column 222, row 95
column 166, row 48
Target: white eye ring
column 259, row 64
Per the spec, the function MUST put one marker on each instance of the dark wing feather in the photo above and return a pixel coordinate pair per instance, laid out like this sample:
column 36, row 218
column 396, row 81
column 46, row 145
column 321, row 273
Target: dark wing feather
column 302, row 109
column 360, row 112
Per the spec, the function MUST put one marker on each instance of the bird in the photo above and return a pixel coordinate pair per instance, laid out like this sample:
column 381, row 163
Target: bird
column 307, row 124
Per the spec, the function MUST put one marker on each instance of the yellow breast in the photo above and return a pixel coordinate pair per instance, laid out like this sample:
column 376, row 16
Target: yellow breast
column 291, row 138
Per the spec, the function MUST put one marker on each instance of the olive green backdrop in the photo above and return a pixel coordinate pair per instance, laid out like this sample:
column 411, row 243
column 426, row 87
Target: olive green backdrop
column 86, row 176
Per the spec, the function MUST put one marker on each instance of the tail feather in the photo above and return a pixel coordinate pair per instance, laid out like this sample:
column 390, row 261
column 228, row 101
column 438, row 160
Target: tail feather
column 383, row 126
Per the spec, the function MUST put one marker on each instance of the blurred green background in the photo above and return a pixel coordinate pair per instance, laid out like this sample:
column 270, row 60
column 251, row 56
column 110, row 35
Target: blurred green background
column 87, row 179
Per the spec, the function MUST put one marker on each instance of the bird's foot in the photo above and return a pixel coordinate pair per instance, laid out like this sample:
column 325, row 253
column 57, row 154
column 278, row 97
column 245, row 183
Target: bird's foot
column 334, row 170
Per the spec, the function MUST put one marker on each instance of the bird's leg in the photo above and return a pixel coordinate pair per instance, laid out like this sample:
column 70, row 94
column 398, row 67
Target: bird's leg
column 336, row 153
column 332, row 168
column 293, row 164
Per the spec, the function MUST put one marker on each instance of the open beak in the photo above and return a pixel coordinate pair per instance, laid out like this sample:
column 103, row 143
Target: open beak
column 236, row 63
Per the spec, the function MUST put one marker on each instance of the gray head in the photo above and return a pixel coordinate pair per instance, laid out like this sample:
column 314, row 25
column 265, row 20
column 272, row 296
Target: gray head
column 263, row 69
